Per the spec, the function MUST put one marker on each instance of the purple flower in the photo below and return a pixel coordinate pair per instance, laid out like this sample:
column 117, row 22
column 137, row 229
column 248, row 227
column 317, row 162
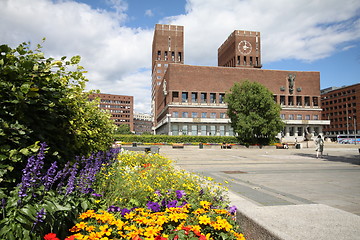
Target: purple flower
column 48, row 179
column 201, row 192
column 153, row 206
column 39, row 218
column 112, row 208
column 180, row 193
column 72, row 179
column 96, row 195
column 157, row 192
column 232, row 210
column 32, row 172
column 125, row 211
column 171, row 204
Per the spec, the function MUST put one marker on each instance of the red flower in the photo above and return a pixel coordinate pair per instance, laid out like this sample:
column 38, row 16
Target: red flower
column 160, row 238
column 51, row 236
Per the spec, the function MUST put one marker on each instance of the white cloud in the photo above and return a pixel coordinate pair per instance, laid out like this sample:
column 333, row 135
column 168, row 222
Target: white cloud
column 302, row 29
column 115, row 55
column 111, row 52
column 149, row 13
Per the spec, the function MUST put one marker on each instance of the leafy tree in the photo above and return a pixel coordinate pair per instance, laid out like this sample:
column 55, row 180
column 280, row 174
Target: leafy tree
column 254, row 115
column 43, row 100
column 123, row 129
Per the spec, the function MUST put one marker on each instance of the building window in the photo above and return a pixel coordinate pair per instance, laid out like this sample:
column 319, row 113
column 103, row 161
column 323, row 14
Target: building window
column 166, row 55
column 291, row 100
column 298, row 100
column 300, row 131
column 222, row 130
column 203, row 115
column 291, row 116
column 222, row 115
column 221, row 97
column 299, row 117
column 185, row 114
column 159, row 55
column 203, row 98
column 212, row 130
column 185, row 130
column 282, row 100
column 159, row 65
column 173, row 56
column 212, row 115
column 175, row 114
column 307, row 117
column 179, row 56
column 282, row 116
column 194, row 97
column 307, row 101
column 203, row 130
column 316, row 117
column 194, row 130
column 238, row 60
column 315, row 101
column 184, row 97
column 291, row 131
column 244, row 60
column 194, row 114
column 175, row 96
column 212, row 97
column 175, row 129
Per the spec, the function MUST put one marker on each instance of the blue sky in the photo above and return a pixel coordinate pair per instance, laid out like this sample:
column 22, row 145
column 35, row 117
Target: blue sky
column 114, row 37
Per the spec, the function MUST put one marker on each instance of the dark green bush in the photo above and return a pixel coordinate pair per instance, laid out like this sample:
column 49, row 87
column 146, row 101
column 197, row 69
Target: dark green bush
column 175, row 139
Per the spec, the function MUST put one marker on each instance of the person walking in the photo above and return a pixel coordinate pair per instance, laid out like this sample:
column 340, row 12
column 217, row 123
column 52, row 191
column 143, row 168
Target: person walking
column 319, row 142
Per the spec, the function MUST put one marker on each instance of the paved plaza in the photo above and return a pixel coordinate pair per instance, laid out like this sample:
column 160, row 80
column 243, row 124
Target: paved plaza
column 275, row 177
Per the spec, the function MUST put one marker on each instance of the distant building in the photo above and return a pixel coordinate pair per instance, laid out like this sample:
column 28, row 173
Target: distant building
column 341, row 105
column 142, row 123
column 121, row 107
column 189, row 100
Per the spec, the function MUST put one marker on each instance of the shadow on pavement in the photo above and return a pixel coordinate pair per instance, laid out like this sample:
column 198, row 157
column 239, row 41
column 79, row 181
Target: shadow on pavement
column 355, row 159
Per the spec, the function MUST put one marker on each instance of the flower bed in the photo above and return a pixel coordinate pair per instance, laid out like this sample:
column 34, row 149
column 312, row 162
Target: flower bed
column 136, row 196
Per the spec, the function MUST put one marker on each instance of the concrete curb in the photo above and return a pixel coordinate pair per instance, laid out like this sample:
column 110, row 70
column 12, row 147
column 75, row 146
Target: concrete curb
column 295, row 222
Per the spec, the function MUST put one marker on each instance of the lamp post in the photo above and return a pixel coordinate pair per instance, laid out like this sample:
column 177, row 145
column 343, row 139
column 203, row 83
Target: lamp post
column 355, row 128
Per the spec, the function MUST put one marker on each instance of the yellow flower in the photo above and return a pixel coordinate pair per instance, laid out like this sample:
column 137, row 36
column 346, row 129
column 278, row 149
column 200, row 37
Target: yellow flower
column 204, row 219
column 150, row 232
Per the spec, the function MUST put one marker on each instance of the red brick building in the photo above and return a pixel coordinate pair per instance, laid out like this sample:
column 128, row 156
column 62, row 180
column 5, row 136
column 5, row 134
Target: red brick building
column 341, row 105
column 190, row 99
column 121, row 107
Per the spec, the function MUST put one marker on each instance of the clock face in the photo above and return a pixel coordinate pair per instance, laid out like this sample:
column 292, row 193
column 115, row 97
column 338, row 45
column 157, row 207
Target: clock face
column 245, row 47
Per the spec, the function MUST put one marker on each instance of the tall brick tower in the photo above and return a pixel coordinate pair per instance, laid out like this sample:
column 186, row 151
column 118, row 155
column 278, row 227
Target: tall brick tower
column 241, row 49
column 167, row 47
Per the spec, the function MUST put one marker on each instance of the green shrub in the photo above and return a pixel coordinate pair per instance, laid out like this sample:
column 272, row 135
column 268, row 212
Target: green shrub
column 175, row 139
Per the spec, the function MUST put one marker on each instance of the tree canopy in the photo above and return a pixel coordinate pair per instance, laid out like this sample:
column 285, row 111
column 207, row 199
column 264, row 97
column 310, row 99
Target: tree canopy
column 254, row 114
column 43, row 100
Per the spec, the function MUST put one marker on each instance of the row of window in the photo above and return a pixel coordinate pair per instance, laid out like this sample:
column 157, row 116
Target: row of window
column 244, row 61
column 202, row 130
column 113, row 106
column 297, row 100
column 121, row 115
column 350, row 125
column 299, row 117
column 300, row 131
column 195, row 97
column 339, row 94
column 169, row 56
column 340, row 100
column 341, row 119
column 114, row 101
column 198, row 115
column 117, row 120
column 349, row 106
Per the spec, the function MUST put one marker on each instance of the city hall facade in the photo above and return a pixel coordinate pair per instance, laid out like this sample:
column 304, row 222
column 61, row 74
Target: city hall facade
column 189, row 100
